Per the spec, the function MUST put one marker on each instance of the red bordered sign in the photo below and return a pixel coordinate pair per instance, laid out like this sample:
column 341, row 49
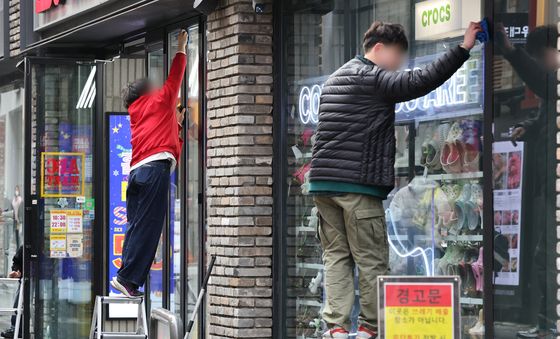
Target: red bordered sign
column 419, row 307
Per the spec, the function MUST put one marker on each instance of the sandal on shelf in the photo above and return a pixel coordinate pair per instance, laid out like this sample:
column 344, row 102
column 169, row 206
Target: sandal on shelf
column 476, row 203
column 471, row 158
column 461, row 208
column 478, row 271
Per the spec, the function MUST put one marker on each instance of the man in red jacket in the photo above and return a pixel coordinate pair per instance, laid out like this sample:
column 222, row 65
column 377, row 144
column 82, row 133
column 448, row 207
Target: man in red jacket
column 156, row 125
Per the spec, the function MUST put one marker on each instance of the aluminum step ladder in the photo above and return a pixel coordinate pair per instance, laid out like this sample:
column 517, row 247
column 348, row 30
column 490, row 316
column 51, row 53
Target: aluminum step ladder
column 19, row 310
column 97, row 332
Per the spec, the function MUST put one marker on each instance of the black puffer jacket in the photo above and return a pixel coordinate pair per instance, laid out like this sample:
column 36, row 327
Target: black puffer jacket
column 355, row 140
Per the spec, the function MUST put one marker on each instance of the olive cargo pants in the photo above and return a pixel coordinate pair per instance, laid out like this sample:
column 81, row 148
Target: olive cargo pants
column 352, row 231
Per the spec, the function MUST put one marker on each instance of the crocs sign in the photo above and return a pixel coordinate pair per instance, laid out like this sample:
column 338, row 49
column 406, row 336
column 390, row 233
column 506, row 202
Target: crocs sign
column 444, row 18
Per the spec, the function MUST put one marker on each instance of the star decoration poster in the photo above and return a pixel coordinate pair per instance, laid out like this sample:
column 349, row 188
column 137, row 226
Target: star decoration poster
column 120, row 154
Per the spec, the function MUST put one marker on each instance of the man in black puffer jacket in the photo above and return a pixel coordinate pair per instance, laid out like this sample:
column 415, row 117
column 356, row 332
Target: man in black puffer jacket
column 352, row 169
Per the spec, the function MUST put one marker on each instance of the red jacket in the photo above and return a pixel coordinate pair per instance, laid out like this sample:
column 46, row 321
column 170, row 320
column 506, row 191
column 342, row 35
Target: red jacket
column 152, row 117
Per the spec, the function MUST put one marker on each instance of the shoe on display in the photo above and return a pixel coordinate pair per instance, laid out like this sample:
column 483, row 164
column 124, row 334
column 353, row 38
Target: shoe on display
column 478, row 329
column 366, row 333
column 537, row 332
column 336, row 333
column 316, row 283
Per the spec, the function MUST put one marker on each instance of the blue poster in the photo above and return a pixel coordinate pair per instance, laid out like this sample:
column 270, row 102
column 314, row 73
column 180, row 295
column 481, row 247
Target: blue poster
column 120, row 154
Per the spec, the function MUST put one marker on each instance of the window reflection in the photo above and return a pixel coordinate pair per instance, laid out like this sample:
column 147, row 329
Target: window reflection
column 526, row 64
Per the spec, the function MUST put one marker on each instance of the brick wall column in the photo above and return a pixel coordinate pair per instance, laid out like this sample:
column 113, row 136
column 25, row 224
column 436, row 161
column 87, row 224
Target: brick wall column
column 14, row 15
column 240, row 170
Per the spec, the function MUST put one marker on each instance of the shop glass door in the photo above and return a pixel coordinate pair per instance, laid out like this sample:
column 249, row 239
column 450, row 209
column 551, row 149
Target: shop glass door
column 59, row 239
column 185, row 239
column 524, row 164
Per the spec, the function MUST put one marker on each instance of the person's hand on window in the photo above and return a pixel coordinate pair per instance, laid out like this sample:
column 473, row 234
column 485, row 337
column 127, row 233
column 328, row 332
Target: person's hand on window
column 518, row 133
column 502, row 41
column 14, row 274
column 470, row 35
column 180, row 114
column 182, row 41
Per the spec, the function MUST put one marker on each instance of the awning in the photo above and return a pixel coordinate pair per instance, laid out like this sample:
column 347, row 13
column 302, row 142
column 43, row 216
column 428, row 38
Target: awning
column 109, row 23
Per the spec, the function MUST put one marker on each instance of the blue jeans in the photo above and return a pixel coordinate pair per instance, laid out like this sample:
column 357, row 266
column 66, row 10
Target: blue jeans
column 146, row 206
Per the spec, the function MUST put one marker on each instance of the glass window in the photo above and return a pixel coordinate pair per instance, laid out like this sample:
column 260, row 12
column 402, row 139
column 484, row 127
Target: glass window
column 190, row 254
column 2, row 35
column 61, row 277
column 438, row 230
column 156, row 277
column 11, row 174
column 524, row 169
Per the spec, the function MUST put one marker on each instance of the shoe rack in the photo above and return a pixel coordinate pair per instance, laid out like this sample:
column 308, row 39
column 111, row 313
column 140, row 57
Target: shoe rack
column 438, row 205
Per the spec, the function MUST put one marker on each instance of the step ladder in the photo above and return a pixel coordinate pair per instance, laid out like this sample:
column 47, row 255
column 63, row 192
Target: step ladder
column 19, row 310
column 96, row 331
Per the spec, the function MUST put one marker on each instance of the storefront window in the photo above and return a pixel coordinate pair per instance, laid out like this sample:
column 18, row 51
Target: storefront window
column 434, row 215
column 192, row 147
column 524, row 169
column 2, row 25
column 62, row 184
column 11, row 174
column 188, row 257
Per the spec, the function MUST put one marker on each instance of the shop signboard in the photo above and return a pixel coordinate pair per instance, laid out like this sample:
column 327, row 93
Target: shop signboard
column 516, row 26
column 62, row 174
column 459, row 96
column 507, row 163
column 438, row 19
column 419, row 307
column 49, row 12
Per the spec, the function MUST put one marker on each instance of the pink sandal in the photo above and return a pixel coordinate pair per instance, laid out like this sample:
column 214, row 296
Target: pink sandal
column 478, row 271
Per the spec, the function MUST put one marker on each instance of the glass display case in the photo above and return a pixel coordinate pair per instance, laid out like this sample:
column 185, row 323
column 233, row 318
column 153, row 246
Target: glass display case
column 434, row 214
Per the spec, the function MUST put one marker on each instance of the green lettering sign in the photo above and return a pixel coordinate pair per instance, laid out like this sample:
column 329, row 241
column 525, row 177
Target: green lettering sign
column 436, row 15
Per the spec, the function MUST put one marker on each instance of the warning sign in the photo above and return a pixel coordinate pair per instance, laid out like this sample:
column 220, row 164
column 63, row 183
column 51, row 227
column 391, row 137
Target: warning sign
column 419, row 307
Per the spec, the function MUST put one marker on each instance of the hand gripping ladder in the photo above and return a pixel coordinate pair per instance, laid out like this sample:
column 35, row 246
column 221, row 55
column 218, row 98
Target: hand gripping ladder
column 19, row 310
column 96, row 331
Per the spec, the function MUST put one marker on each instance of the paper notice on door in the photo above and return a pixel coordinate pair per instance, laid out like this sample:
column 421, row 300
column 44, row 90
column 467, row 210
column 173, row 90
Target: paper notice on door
column 58, row 221
column 58, row 245
column 507, row 163
column 75, row 245
column 74, row 220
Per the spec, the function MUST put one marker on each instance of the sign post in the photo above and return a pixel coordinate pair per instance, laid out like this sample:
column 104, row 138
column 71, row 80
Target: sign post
column 419, row 307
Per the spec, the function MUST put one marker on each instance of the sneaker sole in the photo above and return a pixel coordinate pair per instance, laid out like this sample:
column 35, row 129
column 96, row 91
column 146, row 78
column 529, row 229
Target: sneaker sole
column 116, row 285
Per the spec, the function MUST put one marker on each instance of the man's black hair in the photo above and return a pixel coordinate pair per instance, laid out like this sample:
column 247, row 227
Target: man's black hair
column 134, row 90
column 385, row 33
column 542, row 38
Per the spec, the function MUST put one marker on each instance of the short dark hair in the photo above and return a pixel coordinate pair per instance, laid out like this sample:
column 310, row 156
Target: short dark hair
column 134, row 90
column 385, row 33
column 542, row 38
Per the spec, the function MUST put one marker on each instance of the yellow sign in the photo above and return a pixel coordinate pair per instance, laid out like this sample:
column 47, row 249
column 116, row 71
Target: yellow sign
column 416, row 322
column 58, row 245
column 66, row 237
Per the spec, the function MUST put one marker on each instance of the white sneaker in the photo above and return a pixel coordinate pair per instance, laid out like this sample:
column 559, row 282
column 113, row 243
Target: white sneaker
column 316, row 283
column 366, row 333
column 336, row 333
column 478, row 329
